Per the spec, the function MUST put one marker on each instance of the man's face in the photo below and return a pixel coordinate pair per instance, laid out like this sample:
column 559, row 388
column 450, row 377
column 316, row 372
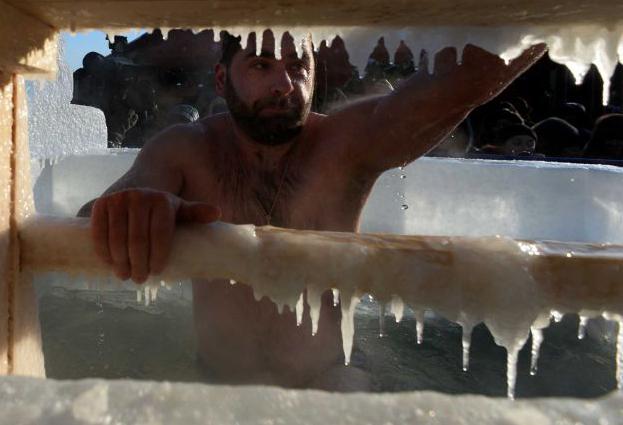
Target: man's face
column 270, row 99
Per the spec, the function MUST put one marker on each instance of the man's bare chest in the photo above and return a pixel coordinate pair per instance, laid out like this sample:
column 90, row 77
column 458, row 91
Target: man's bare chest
column 306, row 194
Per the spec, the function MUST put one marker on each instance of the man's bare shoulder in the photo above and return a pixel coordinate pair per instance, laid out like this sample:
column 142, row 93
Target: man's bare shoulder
column 184, row 142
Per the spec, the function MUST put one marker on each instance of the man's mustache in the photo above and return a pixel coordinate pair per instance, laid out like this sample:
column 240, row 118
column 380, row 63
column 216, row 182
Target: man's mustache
column 278, row 103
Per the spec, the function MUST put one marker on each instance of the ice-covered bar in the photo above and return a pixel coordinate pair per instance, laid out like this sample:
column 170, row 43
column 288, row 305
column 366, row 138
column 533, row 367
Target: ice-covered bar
column 584, row 200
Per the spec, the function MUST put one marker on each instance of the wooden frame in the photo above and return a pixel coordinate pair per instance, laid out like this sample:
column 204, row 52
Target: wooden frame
column 28, row 47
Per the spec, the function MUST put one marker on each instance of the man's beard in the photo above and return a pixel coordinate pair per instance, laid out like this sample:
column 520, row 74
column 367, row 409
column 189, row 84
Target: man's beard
column 271, row 131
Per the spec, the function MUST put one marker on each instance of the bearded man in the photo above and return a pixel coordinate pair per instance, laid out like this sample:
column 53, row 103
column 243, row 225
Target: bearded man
column 270, row 161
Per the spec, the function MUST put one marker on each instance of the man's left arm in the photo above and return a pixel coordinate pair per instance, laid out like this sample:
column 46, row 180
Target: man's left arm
column 395, row 129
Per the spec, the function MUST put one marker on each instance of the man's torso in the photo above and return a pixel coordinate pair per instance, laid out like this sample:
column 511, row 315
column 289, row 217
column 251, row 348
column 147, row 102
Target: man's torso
column 312, row 187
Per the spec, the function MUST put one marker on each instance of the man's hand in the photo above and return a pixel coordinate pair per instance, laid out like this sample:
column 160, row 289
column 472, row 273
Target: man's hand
column 133, row 229
column 481, row 75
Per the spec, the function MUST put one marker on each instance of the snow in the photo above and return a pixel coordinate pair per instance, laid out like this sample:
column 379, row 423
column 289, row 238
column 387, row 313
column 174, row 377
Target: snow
column 34, row 401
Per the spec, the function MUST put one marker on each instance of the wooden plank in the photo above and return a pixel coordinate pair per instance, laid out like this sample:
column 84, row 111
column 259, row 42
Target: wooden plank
column 20, row 338
column 26, row 350
column 86, row 14
column 569, row 276
column 6, row 142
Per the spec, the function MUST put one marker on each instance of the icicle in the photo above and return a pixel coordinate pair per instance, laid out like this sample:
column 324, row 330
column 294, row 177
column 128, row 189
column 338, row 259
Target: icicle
column 153, row 293
column 397, row 307
column 419, row 326
column 139, row 296
column 381, row 319
column 278, row 34
column 348, row 325
column 557, row 316
column 467, row 339
column 336, row 296
column 582, row 327
column 620, row 356
column 300, row 306
column 537, row 339
column 460, row 49
column 300, row 37
column 511, row 371
column 314, row 300
column 256, row 295
column 146, row 297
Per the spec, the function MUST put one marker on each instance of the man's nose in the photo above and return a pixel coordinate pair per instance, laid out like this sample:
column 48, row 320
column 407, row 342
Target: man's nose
column 282, row 83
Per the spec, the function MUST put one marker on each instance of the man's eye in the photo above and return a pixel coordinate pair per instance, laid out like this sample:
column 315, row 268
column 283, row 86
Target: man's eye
column 259, row 65
column 298, row 68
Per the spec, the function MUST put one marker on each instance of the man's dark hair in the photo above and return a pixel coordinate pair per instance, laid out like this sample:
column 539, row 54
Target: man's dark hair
column 230, row 45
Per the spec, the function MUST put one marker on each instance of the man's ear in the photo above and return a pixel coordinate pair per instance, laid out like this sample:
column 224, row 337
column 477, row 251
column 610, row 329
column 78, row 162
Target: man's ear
column 220, row 78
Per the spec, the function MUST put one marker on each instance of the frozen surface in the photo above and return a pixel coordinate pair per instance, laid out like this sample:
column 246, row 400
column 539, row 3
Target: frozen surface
column 576, row 46
column 32, row 401
column 56, row 127
column 524, row 200
column 449, row 197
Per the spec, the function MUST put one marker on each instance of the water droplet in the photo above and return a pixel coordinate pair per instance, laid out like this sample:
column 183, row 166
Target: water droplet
column 403, row 176
column 404, row 207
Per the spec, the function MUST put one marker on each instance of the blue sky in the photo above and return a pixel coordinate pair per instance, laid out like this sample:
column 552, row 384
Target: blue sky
column 78, row 45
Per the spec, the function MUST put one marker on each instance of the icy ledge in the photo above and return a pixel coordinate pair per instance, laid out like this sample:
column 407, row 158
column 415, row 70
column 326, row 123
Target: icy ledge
column 576, row 46
column 36, row 401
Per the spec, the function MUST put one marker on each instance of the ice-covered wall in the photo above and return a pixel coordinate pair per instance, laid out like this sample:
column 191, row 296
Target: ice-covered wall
column 520, row 199
column 56, row 128
column 432, row 196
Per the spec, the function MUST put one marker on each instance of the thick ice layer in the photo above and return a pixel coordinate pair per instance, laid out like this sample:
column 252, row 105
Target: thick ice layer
column 26, row 400
column 576, row 46
column 56, row 127
column 519, row 199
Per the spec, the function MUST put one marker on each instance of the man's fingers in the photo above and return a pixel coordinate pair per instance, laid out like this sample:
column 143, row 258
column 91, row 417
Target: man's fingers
column 99, row 230
column 133, row 230
column 118, row 238
column 197, row 212
column 477, row 57
column 138, row 240
column 529, row 56
column 162, row 226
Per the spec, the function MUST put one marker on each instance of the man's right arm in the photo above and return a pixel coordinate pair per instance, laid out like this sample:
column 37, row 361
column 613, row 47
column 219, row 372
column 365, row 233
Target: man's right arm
column 133, row 222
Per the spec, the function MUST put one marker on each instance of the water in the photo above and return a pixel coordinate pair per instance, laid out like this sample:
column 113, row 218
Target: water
column 157, row 343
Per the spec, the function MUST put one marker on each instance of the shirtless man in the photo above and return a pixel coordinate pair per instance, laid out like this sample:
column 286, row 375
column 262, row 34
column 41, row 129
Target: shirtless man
column 271, row 161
